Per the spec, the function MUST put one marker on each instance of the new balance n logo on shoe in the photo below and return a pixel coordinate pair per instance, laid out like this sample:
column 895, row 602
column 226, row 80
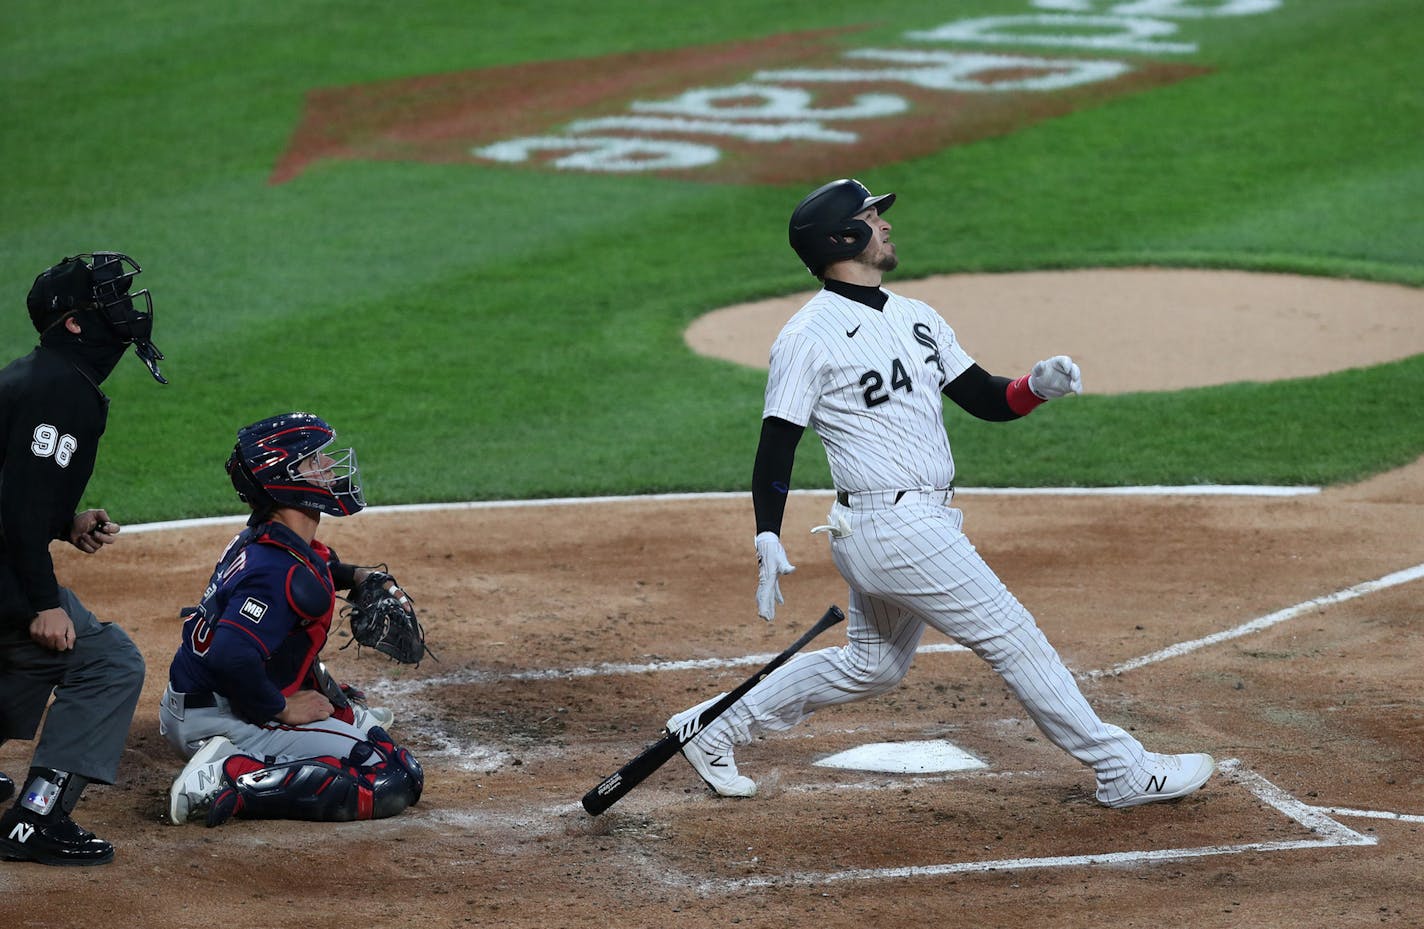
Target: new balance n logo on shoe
column 1156, row 783
column 22, row 832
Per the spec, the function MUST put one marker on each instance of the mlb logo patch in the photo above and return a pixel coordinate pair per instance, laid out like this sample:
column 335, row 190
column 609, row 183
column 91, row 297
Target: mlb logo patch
column 253, row 609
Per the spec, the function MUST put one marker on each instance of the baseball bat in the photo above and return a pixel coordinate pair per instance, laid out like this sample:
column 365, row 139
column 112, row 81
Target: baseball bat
column 612, row 788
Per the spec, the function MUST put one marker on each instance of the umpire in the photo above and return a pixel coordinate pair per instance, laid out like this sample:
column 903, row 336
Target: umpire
column 52, row 414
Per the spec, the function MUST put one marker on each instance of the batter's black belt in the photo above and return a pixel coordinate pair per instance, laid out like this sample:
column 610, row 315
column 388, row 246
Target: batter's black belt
column 879, row 499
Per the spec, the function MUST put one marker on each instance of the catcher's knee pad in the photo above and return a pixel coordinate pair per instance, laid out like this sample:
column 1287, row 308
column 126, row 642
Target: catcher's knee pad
column 316, row 789
column 396, row 777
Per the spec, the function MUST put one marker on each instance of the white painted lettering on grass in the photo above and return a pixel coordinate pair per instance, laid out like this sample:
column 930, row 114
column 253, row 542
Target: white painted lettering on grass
column 767, row 101
column 1100, row 33
column 1180, row 9
column 783, row 111
column 962, row 72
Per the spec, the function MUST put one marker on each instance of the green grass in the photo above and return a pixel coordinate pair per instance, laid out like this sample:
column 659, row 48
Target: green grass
column 481, row 332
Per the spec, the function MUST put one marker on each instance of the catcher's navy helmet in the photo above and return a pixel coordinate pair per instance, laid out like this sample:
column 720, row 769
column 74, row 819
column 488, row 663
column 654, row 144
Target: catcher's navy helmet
column 270, row 466
column 823, row 230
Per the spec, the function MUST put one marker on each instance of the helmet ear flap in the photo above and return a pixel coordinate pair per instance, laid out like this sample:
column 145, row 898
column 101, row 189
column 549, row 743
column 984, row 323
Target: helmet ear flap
column 249, row 491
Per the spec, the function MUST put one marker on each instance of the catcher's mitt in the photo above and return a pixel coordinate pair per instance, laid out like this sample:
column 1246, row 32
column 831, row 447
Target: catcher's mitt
column 382, row 617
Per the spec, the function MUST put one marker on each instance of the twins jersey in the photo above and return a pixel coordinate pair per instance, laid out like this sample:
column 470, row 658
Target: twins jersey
column 869, row 381
column 262, row 621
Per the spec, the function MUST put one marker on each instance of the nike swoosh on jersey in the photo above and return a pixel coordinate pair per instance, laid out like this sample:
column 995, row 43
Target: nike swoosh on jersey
column 850, row 333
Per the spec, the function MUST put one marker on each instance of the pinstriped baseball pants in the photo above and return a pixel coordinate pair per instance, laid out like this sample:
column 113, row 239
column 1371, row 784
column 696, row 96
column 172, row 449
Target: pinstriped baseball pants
column 909, row 567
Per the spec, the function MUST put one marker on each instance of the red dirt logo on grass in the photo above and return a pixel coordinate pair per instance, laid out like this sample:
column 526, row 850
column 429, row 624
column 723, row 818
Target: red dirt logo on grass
column 774, row 110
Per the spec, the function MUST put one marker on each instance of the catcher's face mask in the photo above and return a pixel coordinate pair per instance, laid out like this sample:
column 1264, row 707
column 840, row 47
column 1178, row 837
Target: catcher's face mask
column 336, row 472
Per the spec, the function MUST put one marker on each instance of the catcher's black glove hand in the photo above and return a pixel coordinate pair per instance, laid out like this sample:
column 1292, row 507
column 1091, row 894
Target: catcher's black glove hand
column 382, row 617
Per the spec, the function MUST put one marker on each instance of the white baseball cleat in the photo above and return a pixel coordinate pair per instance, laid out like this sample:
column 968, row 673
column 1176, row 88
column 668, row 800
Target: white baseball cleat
column 712, row 758
column 201, row 779
column 374, row 716
column 1161, row 777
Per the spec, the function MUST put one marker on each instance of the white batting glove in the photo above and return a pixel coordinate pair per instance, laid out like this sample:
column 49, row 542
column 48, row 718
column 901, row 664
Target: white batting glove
column 1055, row 377
column 771, row 564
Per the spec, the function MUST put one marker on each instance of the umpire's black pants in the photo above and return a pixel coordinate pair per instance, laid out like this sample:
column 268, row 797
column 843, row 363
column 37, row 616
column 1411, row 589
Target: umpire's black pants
column 95, row 685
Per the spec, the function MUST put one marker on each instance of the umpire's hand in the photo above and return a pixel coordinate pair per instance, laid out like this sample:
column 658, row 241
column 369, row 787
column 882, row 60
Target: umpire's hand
column 772, row 563
column 53, row 629
column 92, row 530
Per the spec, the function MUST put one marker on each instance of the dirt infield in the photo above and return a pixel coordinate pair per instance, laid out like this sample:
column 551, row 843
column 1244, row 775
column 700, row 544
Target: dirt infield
column 567, row 633
column 1327, row 707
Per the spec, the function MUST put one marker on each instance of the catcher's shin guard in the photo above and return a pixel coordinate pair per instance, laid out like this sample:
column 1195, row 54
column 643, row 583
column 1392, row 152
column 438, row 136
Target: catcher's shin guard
column 317, row 789
column 396, row 777
column 380, row 779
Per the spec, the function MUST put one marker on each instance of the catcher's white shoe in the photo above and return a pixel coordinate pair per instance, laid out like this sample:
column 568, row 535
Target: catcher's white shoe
column 711, row 756
column 1161, row 777
column 201, row 779
column 367, row 716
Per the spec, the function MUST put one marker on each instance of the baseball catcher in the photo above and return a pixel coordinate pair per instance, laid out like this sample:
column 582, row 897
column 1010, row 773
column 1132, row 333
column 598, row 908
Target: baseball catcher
column 267, row 731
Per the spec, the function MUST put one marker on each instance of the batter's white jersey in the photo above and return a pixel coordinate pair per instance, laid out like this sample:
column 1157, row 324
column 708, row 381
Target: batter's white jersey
column 869, row 383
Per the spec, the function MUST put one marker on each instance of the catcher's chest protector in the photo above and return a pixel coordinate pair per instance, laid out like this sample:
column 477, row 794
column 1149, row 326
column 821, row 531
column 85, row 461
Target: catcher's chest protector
column 279, row 591
column 311, row 596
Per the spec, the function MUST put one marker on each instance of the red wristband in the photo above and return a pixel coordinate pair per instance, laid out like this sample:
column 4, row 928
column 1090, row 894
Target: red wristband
column 1021, row 400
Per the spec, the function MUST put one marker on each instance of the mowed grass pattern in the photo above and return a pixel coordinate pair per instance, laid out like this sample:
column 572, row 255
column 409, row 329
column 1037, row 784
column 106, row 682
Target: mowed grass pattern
column 485, row 332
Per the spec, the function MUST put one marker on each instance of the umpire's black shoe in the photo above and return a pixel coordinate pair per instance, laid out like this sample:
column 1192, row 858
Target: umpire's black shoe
column 56, row 840
column 7, row 787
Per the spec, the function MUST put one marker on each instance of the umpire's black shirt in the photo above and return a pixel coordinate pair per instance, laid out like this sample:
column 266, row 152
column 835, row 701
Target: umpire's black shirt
column 52, row 414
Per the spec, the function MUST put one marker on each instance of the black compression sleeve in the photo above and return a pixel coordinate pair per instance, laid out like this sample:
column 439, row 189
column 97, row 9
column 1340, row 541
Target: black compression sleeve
column 771, row 474
column 343, row 576
column 981, row 395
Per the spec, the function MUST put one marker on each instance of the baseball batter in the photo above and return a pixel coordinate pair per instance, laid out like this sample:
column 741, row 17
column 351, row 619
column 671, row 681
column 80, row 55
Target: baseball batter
column 868, row 369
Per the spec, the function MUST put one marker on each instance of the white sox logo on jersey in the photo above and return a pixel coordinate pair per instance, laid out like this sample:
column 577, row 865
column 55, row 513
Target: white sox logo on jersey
column 925, row 338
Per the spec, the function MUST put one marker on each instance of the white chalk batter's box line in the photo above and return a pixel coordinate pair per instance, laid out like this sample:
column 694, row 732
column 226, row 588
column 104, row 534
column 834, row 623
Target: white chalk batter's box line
column 1332, row 834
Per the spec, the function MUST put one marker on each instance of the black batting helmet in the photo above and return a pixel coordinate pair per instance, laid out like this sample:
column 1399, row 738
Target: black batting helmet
column 823, row 228
column 266, row 466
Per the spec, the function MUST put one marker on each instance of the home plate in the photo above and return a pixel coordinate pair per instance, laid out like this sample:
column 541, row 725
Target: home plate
column 905, row 758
